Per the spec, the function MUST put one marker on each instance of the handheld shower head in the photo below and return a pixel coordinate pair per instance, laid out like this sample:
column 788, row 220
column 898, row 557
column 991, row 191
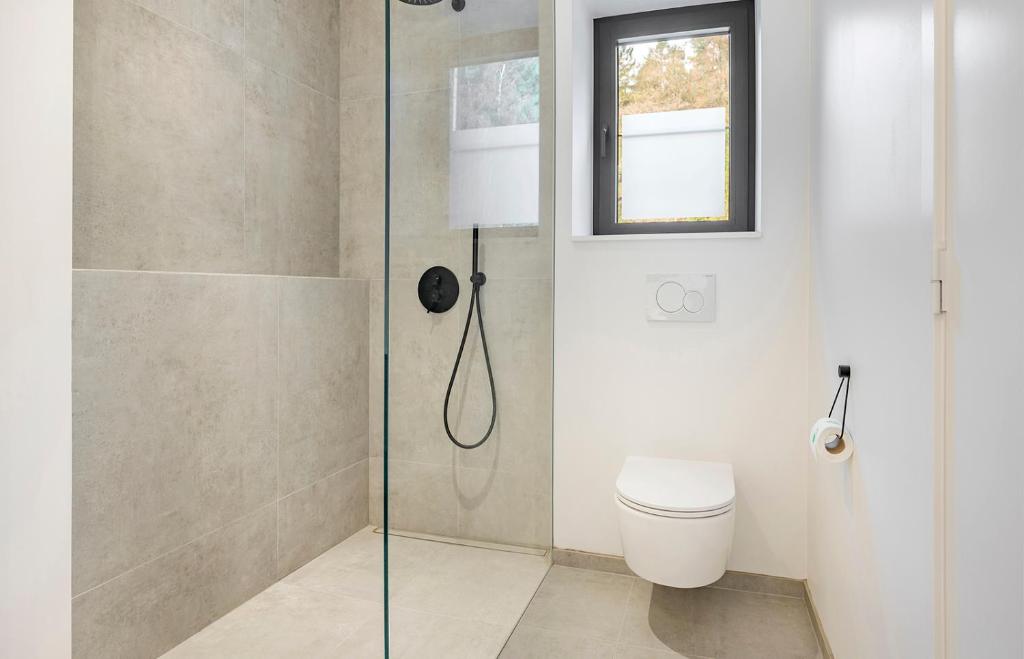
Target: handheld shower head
column 457, row 5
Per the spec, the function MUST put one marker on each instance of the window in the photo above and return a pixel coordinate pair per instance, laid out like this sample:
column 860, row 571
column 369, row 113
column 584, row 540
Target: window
column 674, row 120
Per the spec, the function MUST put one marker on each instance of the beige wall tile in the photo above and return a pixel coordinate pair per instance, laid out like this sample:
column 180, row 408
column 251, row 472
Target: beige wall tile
column 147, row 611
column 291, row 176
column 220, row 20
column 362, row 187
column 503, row 507
column 363, row 43
column 297, row 38
column 422, row 497
column 424, row 46
column 376, row 492
column 323, row 388
column 314, row 519
column 158, row 144
column 174, row 412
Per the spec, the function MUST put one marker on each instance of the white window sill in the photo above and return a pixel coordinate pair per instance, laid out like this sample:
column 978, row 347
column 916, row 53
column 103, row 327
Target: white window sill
column 711, row 235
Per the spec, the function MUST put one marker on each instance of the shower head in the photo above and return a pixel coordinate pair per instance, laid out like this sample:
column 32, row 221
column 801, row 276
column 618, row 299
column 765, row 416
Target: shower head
column 457, row 5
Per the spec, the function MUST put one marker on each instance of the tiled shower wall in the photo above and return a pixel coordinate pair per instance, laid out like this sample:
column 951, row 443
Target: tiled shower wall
column 220, row 327
column 500, row 492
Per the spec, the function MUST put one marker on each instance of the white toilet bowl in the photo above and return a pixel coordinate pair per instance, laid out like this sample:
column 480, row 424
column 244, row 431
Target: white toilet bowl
column 676, row 518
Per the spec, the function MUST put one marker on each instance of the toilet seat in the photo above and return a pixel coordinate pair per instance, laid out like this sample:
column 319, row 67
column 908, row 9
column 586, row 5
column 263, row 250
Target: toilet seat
column 676, row 488
column 674, row 513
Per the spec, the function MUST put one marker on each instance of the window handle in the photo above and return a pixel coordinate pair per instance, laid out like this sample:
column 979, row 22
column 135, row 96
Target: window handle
column 604, row 142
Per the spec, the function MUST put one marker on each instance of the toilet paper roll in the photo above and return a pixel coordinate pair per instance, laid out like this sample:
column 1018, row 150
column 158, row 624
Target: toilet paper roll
column 825, row 431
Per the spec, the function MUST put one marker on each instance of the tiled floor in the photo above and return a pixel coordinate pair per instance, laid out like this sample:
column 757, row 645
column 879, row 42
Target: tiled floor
column 447, row 601
column 599, row 615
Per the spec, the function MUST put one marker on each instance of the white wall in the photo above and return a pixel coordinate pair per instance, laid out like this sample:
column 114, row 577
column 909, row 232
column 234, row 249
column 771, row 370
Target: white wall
column 986, row 586
column 870, row 521
column 35, row 328
column 734, row 390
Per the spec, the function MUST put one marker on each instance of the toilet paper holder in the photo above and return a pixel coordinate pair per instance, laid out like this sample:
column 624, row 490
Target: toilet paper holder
column 844, row 378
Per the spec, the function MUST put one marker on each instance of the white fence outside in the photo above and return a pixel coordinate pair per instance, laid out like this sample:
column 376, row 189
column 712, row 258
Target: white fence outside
column 673, row 164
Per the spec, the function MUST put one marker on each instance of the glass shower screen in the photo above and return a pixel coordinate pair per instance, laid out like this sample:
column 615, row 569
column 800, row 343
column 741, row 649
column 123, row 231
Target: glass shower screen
column 465, row 323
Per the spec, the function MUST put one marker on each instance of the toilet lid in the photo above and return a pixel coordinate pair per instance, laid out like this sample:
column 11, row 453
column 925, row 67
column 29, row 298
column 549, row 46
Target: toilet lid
column 676, row 485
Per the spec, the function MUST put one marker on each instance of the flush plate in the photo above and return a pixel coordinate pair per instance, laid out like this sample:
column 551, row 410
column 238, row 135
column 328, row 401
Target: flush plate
column 681, row 298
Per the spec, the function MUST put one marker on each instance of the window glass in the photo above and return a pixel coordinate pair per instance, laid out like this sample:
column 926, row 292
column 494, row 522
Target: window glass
column 673, row 129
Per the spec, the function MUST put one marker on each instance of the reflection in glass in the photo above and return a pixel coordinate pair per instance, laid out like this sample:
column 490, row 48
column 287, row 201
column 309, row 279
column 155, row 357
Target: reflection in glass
column 494, row 144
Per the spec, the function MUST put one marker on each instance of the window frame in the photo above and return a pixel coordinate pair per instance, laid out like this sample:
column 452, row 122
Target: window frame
column 737, row 16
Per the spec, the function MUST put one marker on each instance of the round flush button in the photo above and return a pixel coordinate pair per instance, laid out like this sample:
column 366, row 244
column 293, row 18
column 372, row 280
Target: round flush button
column 671, row 296
column 693, row 301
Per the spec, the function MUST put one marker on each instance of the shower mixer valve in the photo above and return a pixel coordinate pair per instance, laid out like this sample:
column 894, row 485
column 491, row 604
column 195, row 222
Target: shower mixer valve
column 438, row 289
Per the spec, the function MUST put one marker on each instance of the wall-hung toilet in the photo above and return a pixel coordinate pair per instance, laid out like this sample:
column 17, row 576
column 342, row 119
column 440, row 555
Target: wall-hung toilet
column 676, row 518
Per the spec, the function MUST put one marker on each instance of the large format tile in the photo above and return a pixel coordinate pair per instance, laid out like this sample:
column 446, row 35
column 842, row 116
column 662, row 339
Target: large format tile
column 468, row 582
column 716, row 622
column 422, row 349
column 362, row 186
column 291, row 176
column 158, row 144
column 314, row 519
column 323, row 389
column 220, row 21
column 504, row 507
column 517, row 315
column 352, row 568
column 422, row 498
column 146, row 611
column 424, row 46
column 580, row 603
column 283, row 621
column 297, row 38
column 529, row 642
column 174, row 412
column 363, row 52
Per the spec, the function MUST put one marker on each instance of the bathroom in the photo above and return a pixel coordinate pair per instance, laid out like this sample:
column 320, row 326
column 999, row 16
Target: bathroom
column 511, row 328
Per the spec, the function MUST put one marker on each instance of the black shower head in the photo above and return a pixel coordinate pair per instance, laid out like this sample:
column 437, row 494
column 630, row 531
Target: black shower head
column 457, row 5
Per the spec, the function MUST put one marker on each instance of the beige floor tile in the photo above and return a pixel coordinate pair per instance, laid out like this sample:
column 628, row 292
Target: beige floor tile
column 581, row 603
column 634, row 652
column 719, row 623
column 282, row 621
column 529, row 642
column 469, row 582
column 447, row 600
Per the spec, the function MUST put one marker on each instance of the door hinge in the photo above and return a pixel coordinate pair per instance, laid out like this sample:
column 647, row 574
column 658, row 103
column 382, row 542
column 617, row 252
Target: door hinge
column 940, row 298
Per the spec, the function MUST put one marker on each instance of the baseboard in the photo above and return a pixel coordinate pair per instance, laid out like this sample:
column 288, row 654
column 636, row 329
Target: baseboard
column 819, row 631
column 746, row 581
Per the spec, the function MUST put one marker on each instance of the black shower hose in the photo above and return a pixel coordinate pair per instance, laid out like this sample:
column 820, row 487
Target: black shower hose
column 478, row 279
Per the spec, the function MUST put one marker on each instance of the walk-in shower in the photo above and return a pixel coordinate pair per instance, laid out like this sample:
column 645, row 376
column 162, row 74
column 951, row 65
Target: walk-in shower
column 467, row 298
column 275, row 379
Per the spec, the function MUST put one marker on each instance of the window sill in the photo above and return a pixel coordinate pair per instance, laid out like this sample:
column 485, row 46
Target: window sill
column 727, row 235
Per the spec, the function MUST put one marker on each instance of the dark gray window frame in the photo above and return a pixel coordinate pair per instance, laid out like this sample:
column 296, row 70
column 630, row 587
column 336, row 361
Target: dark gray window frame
column 738, row 18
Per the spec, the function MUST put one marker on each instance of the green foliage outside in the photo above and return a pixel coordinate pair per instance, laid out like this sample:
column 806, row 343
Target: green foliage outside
column 689, row 73
column 503, row 93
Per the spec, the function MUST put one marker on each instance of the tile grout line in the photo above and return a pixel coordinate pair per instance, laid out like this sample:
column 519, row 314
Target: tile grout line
column 320, row 480
column 214, row 274
column 625, row 611
column 179, row 547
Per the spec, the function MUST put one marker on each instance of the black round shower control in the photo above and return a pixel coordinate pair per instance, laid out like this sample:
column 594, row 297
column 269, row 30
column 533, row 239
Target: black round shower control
column 438, row 289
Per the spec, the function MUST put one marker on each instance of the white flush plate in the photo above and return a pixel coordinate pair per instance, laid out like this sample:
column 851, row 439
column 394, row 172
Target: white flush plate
column 681, row 298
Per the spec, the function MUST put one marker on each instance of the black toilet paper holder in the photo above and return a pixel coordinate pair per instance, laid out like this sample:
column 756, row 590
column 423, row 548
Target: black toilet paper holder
column 844, row 378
